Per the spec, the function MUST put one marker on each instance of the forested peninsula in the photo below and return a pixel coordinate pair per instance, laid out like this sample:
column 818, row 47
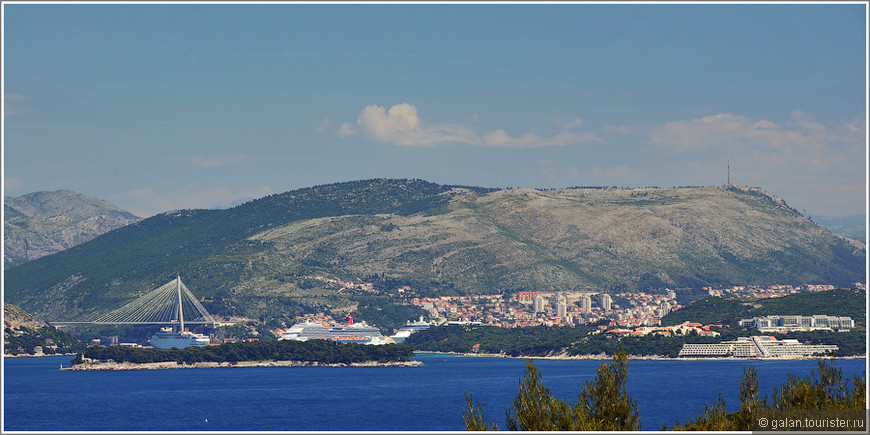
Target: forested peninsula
column 246, row 354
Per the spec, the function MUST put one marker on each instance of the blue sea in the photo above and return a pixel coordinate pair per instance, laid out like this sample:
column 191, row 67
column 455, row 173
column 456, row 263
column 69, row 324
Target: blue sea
column 40, row 397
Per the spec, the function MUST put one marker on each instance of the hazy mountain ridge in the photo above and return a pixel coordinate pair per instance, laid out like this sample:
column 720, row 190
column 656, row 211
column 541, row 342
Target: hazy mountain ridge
column 854, row 226
column 43, row 223
column 442, row 239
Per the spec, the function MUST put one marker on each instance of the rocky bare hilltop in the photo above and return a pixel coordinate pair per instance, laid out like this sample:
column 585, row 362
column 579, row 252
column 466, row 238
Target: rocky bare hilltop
column 43, row 223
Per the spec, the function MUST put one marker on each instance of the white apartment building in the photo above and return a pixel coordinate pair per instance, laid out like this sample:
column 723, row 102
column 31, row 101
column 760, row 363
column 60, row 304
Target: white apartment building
column 538, row 305
column 587, row 304
column 757, row 347
column 562, row 307
column 798, row 323
column 606, row 301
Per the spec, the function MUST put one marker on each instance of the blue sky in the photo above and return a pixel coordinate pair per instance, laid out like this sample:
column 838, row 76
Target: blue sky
column 159, row 107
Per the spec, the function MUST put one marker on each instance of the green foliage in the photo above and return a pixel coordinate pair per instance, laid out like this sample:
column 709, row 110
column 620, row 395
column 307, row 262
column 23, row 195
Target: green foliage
column 535, row 408
column 526, row 341
column 321, row 351
column 709, row 310
column 209, row 247
column 839, row 302
column 826, row 391
column 544, row 340
column 26, row 339
column 474, row 417
column 386, row 316
column 603, row 404
column 849, row 343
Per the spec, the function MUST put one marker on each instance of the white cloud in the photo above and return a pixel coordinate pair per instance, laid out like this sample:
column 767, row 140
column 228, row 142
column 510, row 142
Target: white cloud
column 568, row 122
column 500, row 138
column 623, row 129
column 13, row 183
column 809, row 163
column 216, row 161
column 383, row 126
column 721, row 128
column 401, row 125
column 322, row 127
column 800, row 133
column 560, row 174
column 346, row 129
column 8, row 110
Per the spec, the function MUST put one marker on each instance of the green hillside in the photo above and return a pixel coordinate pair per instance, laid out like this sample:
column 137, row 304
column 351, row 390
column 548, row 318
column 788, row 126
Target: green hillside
column 248, row 260
column 841, row 302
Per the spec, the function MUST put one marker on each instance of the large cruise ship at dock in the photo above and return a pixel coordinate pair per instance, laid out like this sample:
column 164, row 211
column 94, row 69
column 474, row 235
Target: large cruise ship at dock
column 410, row 328
column 350, row 333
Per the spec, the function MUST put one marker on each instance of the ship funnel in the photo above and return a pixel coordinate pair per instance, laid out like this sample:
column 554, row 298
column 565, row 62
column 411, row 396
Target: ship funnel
column 349, row 320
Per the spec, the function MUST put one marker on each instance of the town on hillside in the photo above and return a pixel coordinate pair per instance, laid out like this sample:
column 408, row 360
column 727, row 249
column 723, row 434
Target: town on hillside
column 636, row 313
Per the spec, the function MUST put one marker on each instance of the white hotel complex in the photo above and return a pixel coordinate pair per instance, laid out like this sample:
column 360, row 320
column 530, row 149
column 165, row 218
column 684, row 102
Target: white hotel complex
column 757, row 347
column 798, row 323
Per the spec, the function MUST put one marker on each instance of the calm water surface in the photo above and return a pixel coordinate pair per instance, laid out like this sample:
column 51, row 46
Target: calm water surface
column 39, row 397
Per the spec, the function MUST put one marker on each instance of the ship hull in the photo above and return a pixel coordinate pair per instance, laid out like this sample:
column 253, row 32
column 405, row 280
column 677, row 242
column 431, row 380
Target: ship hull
column 163, row 340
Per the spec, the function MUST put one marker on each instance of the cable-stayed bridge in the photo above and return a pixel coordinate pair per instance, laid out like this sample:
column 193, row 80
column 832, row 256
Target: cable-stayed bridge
column 170, row 304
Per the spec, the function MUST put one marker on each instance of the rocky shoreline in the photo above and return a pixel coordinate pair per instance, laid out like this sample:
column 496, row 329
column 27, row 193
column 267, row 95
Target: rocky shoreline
column 111, row 365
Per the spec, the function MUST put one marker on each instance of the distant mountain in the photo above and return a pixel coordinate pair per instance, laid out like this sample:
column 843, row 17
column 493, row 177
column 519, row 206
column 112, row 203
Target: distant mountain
column 850, row 226
column 251, row 260
column 42, row 223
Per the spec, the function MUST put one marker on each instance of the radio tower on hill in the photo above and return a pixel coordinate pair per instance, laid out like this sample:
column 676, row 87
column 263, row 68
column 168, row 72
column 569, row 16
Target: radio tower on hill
column 729, row 172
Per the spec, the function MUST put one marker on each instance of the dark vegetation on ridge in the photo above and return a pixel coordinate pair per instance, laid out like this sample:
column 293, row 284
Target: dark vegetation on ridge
column 840, row 302
column 321, row 351
column 250, row 261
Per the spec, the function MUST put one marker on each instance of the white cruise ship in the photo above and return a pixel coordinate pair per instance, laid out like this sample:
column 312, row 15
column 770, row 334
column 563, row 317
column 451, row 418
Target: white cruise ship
column 408, row 329
column 351, row 333
column 167, row 339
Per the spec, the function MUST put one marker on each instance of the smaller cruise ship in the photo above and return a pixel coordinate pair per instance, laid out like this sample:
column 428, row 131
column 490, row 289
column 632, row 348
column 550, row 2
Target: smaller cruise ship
column 167, row 339
column 410, row 328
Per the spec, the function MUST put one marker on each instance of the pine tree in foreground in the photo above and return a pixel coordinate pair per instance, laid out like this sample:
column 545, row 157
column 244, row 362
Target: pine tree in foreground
column 603, row 404
column 798, row 397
